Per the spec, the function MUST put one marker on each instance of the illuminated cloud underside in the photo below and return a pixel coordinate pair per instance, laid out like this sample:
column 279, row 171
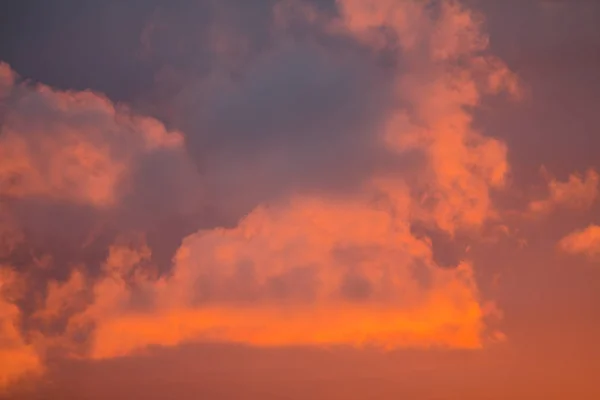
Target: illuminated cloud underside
column 310, row 273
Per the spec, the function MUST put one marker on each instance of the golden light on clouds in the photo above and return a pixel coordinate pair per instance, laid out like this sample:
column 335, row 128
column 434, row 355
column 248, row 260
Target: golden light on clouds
column 331, row 221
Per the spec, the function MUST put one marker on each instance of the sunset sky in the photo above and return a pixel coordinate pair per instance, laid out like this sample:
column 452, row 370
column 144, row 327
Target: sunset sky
column 300, row 199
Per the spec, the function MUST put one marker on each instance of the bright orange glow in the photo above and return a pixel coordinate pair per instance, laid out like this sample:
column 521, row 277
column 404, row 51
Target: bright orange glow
column 440, row 324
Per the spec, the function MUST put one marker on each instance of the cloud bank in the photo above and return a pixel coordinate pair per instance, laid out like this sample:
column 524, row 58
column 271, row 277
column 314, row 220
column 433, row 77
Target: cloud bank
column 286, row 186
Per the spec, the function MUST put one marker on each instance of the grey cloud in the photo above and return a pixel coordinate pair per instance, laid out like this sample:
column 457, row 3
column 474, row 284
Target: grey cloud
column 297, row 118
column 297, row 109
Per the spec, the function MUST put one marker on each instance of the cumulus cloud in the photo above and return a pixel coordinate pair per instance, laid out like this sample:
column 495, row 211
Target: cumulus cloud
column 448, row 76
column 585, row 241
column 579, row 192
column 75, row 168
column 316, row 157
column 73, row 146
column 310, row 272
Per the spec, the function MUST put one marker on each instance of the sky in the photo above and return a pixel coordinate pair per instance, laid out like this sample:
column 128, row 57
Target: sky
column 292, row 199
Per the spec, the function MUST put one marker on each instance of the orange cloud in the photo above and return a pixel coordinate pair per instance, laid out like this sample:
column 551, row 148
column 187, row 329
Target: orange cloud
column 10, row 234
column 312, row 272
column 585, row 241
column 61, row 297
column 18, row 358
column 7, row 79
column 76, row 148
column 578, row 192
column 431, row 326
column 73, row 146
column 310, row 269
column 464, row 166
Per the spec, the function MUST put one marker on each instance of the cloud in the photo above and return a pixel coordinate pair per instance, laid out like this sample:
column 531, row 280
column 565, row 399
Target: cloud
column 291, row 274
column 73, row 146
column 316, row 157
column 74, row 168
column 274, row 127
column 463, row 165
column 7, row 78
column 287, row 275
column 578, row 192
column 346, row 258
column 585, row 241
column 19, row 358
column 326, row 85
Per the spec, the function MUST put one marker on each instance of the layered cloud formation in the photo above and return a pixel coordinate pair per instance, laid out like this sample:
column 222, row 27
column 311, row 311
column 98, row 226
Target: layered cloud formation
column 280, row 200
